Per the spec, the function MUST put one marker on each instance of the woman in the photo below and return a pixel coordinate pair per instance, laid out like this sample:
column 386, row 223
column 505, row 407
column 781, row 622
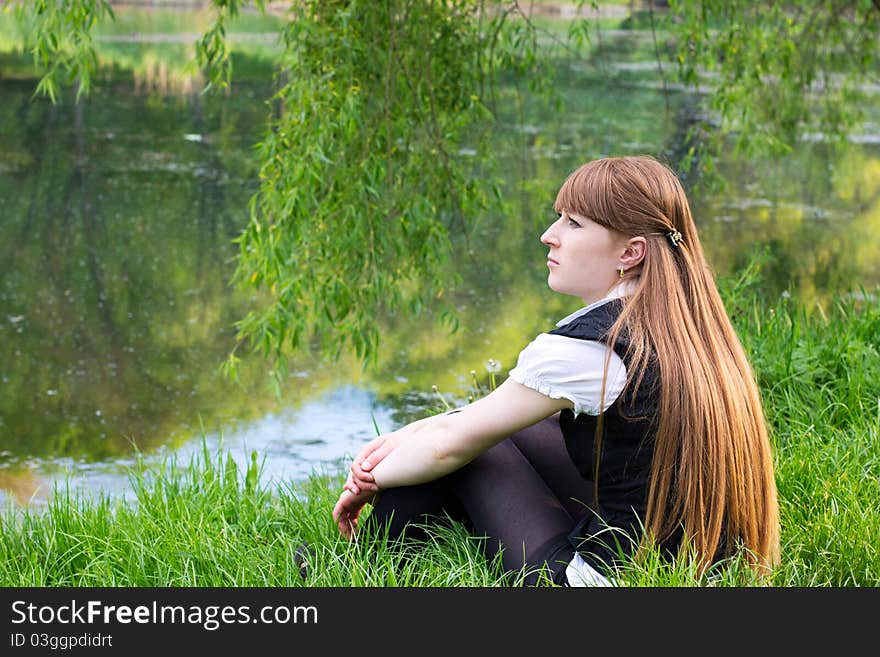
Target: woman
column 636, row 420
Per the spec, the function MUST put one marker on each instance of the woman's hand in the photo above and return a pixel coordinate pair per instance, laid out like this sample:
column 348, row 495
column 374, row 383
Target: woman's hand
column 347, row 510
column 359, row 477
column 360, row 487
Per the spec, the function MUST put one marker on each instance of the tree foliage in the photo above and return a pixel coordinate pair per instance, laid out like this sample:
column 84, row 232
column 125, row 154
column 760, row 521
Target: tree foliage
column 363, row 175
column 775, row 70
column 59, row 35
column 375, row 153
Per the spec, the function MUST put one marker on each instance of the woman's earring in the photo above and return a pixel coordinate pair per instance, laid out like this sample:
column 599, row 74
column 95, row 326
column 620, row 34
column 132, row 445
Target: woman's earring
column 621, row 272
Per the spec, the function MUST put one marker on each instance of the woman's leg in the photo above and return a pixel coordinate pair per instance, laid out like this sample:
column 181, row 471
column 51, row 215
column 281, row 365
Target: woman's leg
column 404, row 510
column 511, row 505
column 544, row 447
column 523, row 508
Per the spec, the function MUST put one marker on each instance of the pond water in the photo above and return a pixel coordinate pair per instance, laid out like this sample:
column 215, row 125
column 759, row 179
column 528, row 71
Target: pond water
column 119, row 215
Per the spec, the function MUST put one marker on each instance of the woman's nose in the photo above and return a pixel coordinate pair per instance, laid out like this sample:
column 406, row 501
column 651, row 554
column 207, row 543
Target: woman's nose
column 549, row 236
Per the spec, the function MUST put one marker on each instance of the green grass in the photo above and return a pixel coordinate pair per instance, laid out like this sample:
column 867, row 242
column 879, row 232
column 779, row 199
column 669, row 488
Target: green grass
column 206, row 523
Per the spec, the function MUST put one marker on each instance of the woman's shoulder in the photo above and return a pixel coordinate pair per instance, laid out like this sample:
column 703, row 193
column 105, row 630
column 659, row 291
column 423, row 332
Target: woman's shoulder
column 556, row 346
column 561, row 366
column 565, row 357
column 593, row 324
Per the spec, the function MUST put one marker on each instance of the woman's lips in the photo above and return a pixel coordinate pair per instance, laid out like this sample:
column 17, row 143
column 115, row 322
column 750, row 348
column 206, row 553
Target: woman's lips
column 551, row 262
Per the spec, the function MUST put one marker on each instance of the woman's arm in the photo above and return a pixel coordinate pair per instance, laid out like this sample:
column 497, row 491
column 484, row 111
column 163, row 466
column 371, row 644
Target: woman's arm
column 449, row 441
column 377, row 449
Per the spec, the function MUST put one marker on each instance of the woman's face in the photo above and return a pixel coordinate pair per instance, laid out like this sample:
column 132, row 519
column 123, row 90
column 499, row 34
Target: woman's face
column 584, row 257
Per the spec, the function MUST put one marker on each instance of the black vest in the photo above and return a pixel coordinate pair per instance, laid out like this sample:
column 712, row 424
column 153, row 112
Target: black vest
column 627, row 448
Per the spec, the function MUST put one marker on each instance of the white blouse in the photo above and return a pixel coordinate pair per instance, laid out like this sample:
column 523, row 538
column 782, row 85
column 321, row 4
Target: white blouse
column 568, row 368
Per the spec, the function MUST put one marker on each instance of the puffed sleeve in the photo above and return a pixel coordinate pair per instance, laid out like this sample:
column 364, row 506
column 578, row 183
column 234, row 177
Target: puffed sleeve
column 568, row 368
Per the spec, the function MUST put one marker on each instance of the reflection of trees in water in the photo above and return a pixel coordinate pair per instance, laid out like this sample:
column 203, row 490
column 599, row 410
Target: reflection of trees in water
column 118, row 284
column 93, row 231
column 156, row 75
column 817, row 212
column 24, row 485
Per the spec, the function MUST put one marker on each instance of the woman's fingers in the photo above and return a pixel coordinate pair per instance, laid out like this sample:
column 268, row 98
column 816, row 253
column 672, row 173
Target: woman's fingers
column 357, row 485
column 358, row 472
column 342, row 506
column 375, row 457
column 367, row 449
column 343, row 526
column 337, row 509
column 344, row 529
column 365, row 452
column 365, row 486
column 342, row 515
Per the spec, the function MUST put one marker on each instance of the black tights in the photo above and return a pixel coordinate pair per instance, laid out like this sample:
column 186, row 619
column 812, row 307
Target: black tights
column 524, row 495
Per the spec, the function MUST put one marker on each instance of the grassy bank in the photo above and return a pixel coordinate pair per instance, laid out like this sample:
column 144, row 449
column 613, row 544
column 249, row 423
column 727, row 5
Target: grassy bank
column 206, row 523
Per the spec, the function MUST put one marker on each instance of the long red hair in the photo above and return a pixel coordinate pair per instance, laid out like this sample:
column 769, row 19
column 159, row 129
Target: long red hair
column 713, row 463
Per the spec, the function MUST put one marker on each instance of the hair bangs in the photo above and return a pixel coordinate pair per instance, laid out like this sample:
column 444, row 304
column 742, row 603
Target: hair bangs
column 586, row 192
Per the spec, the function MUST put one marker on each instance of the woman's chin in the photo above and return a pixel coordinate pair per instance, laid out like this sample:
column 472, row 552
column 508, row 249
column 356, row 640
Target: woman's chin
column 562, row 290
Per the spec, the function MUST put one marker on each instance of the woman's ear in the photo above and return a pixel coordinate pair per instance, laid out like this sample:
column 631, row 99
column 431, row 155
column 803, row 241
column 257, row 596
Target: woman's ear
column 633, row 252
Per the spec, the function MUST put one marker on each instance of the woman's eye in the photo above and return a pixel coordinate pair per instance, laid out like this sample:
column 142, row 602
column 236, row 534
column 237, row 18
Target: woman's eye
column 573, row 223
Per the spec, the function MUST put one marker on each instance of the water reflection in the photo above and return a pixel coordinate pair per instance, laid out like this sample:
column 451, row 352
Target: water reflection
column 116, row 250
column 312, row 438
column 817, row 215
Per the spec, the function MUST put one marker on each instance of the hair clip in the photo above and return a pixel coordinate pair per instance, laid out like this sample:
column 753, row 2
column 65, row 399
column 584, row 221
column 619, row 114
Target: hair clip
column 674, row 237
